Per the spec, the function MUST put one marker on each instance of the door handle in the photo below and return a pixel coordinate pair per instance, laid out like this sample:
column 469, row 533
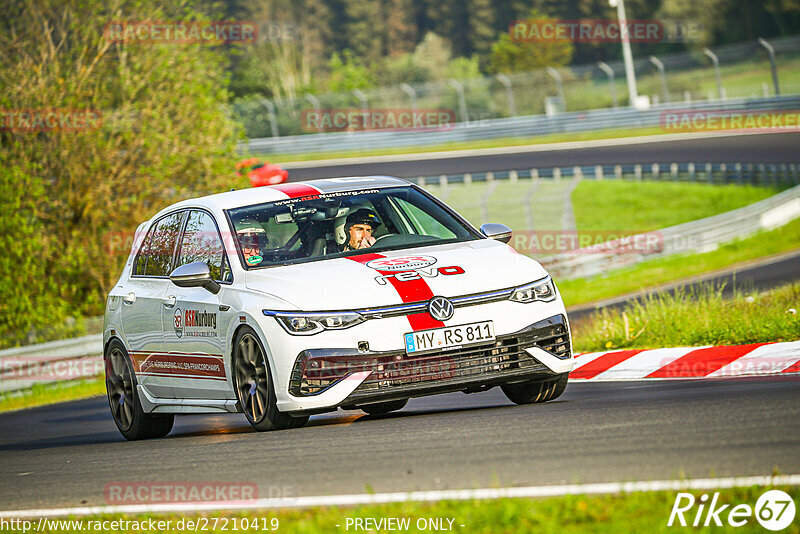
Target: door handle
column 129, row 299
column 168, row 302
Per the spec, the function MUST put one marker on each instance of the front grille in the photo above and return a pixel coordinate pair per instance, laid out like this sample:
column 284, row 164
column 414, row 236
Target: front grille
column 318, row 369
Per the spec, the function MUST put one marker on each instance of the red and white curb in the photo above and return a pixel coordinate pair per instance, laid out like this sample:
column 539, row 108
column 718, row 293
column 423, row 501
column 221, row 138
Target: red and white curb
column 689, row 362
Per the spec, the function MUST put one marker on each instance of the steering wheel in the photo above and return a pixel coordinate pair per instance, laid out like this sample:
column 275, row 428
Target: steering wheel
column 382, row 237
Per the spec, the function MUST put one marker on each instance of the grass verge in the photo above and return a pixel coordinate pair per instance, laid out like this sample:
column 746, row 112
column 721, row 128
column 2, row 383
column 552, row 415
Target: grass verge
column 689, row 317
column 631, row 512
column 42, row 394
column 660, row 271
column 637, row 207
column 468, row 145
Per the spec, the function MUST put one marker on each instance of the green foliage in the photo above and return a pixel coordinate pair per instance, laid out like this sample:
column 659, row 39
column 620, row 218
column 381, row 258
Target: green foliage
column 636, row 207
column 164, row 136
column 689, row 317
column 509, row 55
column 347, row 72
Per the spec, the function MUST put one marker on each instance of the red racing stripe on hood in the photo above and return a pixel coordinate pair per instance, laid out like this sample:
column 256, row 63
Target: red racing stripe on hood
column 297, row 190
column 410, row 291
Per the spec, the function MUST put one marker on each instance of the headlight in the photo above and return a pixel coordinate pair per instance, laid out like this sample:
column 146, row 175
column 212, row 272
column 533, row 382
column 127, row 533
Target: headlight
column 307, row 324
column 541, row 290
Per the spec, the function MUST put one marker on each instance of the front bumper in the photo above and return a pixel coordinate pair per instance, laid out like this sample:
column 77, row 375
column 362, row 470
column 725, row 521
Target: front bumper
column 538, row 351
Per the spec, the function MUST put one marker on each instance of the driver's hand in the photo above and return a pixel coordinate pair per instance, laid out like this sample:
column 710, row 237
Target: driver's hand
column 366, row 242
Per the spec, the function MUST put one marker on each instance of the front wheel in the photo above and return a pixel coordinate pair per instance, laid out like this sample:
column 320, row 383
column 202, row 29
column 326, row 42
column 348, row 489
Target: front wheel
column 533, row 392
column 123, row 398
column 254, row 387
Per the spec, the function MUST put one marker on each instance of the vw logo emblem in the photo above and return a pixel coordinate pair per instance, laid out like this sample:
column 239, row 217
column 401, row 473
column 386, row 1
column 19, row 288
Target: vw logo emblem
column 440, row 308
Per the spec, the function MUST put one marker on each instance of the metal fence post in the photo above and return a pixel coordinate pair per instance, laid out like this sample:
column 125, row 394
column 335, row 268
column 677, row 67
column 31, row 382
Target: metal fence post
column 314, row 101
column 412, row 94
column 660, row 66
column 512, row 110
column 272, row 116
column 715, row 60
column 559, row 83
column 610, row 73
column 771, row 51
column 462, row 103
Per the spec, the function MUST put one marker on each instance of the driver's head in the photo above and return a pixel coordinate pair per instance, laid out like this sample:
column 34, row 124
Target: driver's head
column 359, row 228
column 253, row 240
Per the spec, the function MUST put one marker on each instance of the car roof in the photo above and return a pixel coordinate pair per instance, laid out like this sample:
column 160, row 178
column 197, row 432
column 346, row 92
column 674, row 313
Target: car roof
column 272, row 193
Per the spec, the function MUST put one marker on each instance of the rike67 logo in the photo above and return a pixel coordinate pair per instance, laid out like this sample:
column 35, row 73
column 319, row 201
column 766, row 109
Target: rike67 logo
column 407, row 268
column 774, row 510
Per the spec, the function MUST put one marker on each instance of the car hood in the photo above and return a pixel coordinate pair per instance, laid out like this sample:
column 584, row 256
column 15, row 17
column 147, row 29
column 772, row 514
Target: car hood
column 370, row 280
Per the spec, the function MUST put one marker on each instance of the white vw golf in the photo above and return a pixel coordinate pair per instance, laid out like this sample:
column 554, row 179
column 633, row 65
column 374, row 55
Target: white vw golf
column 301, row 298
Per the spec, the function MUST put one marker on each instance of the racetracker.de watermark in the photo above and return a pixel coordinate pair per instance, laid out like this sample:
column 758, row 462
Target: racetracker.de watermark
column 587, row 242
column 352, row 119
column 604, row 31
column 181, row 32
column 138, row 492
column 49, row 120
column 718, row 119
column 49, row 368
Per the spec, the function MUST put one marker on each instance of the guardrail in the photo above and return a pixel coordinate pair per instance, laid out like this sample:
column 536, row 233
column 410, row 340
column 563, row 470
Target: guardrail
column 761, row 174
column 68, row 359
column 529, row 126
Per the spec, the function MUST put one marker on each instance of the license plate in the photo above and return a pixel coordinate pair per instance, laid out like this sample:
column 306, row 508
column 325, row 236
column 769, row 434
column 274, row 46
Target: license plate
column 449, row 337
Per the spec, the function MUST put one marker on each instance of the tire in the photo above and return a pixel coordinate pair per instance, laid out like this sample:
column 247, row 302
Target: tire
column 254, row 388
column 381, row 408
column 123, row 398
column 534, row 392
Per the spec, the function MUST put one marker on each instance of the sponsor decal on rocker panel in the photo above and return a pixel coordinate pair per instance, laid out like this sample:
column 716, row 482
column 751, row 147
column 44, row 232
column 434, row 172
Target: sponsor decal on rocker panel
column 195, row 323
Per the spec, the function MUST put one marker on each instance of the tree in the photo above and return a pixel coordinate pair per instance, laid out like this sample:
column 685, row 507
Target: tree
column 517, row 56
column 347, row 73
column 164, row 135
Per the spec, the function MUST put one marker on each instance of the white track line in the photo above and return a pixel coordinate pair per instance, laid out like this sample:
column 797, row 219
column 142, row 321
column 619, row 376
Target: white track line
column 418, row 496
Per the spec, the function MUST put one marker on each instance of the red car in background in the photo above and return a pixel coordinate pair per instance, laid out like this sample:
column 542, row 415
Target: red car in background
column 261, row 172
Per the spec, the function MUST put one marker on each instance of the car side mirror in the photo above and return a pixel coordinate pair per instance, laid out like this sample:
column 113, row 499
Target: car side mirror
column 500, row 232
column 195, row 274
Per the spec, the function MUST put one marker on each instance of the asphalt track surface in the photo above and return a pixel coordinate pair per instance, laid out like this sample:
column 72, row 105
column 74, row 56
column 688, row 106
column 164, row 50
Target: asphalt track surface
column 66, row 454
column 763, row 148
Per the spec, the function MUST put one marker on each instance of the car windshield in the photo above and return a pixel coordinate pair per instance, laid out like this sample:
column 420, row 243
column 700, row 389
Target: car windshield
column 343, row 224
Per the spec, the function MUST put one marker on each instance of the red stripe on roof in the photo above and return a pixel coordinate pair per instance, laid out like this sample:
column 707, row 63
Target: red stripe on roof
column 297, row 190
column 603, row 363
column 410, row 291
column 703, row 362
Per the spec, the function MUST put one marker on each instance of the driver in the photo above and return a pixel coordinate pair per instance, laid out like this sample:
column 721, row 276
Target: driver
column 359, row 228
column 253, row 240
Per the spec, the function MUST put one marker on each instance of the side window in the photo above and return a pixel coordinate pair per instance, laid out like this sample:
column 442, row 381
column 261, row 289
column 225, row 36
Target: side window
column 155, row 256
column 424, row 223
column 201, row 242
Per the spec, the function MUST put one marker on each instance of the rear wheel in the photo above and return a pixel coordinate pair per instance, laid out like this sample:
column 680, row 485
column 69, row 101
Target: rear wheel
column 540, row 391
column 381, row 408
column 123, row 398
column 254, row 387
